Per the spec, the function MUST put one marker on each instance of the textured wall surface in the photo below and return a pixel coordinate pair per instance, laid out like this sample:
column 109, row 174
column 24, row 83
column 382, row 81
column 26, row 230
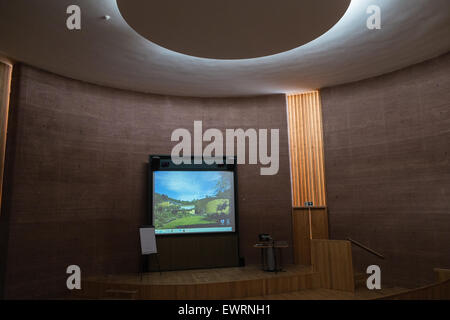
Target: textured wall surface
column 5, row 80
column 387, row 153
column 76, row 175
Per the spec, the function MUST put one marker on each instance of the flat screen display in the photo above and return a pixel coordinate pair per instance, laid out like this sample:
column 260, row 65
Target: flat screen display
column 193, row 202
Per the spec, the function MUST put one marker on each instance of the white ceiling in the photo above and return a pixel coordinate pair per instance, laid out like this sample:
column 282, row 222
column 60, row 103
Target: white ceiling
column 111, row 53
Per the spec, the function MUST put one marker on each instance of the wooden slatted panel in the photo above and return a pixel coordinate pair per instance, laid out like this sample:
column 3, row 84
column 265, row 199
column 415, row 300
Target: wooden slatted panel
column 5, row 86
column 306, row 149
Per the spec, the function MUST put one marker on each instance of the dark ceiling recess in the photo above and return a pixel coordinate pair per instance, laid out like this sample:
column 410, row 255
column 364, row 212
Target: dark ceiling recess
column 232, row 29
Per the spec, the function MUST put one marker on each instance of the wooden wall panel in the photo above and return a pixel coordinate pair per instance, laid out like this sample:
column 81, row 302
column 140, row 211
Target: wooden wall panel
column 5, row 85
column 315, row 220
column 442, row 274
column 306, row 149
column 333, row 260
column 319, row 223
column 307, row 224
column 301, row 237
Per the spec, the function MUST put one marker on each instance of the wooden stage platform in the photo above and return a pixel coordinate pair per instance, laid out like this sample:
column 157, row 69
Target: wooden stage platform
column 220, row 283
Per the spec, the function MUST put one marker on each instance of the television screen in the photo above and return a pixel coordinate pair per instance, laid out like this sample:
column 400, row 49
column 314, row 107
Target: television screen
column 193, row 202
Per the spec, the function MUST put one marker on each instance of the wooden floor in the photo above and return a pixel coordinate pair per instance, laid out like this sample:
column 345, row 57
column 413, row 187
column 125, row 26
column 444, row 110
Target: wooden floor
column 203, row 275
column 221, row 283
column 250, row 282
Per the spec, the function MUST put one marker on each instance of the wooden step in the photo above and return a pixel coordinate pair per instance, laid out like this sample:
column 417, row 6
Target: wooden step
column 217, row 283
column 328, row 294
column 120, row 294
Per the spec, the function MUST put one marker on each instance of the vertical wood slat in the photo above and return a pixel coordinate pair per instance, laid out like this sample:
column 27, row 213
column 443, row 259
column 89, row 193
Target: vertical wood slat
column 306, row 149
column 320, row 150
column 5, row 87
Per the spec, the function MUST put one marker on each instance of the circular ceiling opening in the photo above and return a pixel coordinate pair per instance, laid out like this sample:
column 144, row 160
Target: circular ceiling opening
column 231, row 29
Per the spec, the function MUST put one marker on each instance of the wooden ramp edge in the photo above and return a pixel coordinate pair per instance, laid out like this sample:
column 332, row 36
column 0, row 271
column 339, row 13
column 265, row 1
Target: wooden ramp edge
column 236, row 289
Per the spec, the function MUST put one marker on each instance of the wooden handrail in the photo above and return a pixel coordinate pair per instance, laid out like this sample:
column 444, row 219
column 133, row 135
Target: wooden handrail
column 359, row 244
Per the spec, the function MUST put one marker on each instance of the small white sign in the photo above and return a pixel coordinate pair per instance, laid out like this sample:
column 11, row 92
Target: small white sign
column 148, row 240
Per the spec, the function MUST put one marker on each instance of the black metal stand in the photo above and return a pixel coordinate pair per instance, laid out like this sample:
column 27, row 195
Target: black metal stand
column 146, row 263
column 277, row 256
column 157, row 261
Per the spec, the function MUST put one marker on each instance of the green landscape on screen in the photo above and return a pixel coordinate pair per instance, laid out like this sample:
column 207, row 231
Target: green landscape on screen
column 190, row 199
